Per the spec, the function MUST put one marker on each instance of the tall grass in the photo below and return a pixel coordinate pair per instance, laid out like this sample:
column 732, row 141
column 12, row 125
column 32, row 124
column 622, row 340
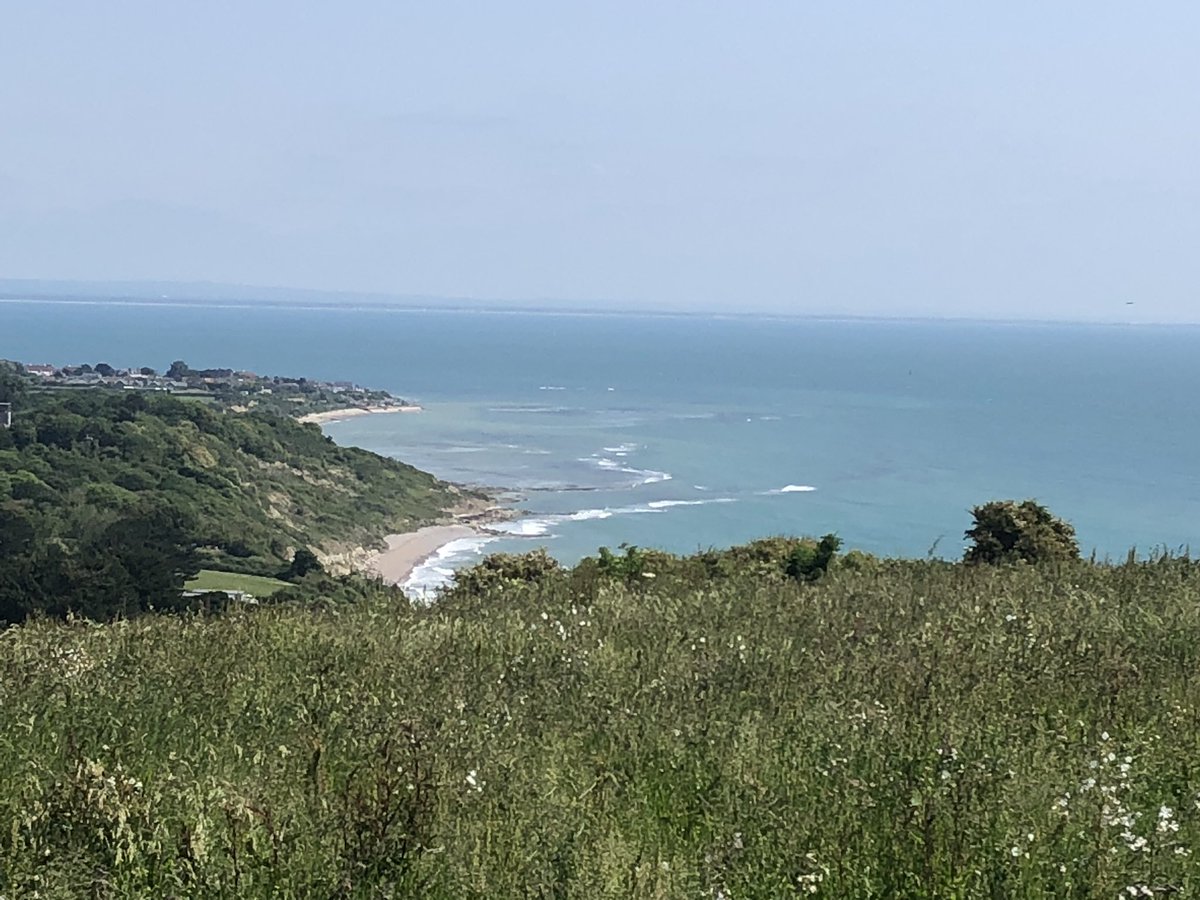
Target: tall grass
column 905, row 730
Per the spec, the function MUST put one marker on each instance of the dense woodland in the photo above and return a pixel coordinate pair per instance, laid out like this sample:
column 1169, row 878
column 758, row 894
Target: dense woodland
column 109, row 500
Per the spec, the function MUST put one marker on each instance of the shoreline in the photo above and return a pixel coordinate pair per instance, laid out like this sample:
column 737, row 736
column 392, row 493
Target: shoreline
column 348, row 412
column 404, row 552
column 407, row 551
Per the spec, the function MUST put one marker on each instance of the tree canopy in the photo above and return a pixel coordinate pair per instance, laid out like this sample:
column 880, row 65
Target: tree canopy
column 1006, row 531
column 109, row 500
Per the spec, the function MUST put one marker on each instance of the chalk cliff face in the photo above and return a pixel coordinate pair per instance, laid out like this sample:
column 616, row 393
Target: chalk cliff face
column 344, row 562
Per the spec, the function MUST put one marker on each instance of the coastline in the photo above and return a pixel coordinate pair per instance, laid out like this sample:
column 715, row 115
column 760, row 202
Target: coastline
column 405, row 552
column 349, row 412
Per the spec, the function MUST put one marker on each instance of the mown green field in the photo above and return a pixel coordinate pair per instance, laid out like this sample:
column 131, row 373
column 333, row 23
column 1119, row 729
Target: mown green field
column 900, row 729
column 212, row 580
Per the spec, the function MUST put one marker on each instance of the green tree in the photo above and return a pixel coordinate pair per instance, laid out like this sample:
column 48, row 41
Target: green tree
column 810, row 561
column 12, row 385
column 1006, row 531
column 303, row 562
column 179, row 370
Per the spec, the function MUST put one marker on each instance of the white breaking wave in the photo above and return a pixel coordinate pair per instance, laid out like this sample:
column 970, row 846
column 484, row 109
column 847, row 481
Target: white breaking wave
column 667, row 504
column 437, row 571
column 539, row 526
column 790, row 489
column 551, row 387
column 585, row 514
column 601, row 462
column 622, row 449
column 644, row 476
column 531, row 527
column 651, row 477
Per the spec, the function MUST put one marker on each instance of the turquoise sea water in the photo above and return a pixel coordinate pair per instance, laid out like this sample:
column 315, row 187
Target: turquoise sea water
column 688, row 432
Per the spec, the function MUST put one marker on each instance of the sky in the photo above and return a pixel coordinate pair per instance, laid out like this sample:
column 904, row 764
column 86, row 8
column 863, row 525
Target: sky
column 1009, row 160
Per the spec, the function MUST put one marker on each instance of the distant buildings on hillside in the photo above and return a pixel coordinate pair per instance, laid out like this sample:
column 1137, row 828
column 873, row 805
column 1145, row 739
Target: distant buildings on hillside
column 229, row 385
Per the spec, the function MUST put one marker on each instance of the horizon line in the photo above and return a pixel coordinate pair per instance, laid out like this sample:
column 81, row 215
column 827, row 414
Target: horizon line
column 334, row 300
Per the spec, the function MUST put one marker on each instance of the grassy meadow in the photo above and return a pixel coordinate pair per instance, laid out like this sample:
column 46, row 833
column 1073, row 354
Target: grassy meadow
column 213, row 580
column 896, row 729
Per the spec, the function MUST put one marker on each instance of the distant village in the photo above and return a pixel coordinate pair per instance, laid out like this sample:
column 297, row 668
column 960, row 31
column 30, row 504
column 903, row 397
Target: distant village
column 238, row 389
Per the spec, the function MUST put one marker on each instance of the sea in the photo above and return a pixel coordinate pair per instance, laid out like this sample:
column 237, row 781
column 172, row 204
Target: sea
column 686, row 432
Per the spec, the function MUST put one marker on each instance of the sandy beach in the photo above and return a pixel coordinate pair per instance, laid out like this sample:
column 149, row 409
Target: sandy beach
column 407, row 551
column 349, row 412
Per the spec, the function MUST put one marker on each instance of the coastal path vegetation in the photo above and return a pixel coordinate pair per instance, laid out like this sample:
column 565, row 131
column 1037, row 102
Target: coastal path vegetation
column 709, row 726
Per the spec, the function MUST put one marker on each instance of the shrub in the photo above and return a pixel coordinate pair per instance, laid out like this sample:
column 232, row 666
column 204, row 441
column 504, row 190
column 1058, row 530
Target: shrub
column 810, row 561
column 500, row 569
column 1007, row 532
column 303, row 562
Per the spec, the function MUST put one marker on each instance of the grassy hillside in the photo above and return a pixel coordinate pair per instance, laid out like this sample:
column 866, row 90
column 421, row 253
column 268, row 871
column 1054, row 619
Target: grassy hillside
column 251, row 487
column 895, row 729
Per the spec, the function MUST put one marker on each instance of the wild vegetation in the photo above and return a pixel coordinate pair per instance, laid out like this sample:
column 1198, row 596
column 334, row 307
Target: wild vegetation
column 638, row 725
column 773, row 720
column 110, row 501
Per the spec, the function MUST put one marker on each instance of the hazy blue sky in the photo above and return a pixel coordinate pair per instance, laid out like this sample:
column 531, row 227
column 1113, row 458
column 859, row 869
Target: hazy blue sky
column 1028, row 159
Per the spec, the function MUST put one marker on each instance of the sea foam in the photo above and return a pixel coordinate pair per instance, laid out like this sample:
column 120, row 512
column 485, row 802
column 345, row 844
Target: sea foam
column 438, row 571
column 790, row 489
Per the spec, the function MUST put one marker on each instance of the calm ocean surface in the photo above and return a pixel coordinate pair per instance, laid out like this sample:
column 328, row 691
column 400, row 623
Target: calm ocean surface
column 685, row 433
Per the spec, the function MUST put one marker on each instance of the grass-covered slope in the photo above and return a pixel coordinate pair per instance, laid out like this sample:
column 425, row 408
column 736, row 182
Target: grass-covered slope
column 251, row 487
column 895, row 729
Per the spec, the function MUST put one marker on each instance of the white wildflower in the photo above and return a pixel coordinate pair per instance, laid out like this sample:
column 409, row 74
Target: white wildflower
column 1165, row 821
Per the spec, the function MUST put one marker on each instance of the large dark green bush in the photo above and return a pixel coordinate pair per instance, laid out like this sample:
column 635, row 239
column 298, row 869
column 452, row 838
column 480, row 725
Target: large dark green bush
column 1006, row 531
column 809, row 561
column 498, row 570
